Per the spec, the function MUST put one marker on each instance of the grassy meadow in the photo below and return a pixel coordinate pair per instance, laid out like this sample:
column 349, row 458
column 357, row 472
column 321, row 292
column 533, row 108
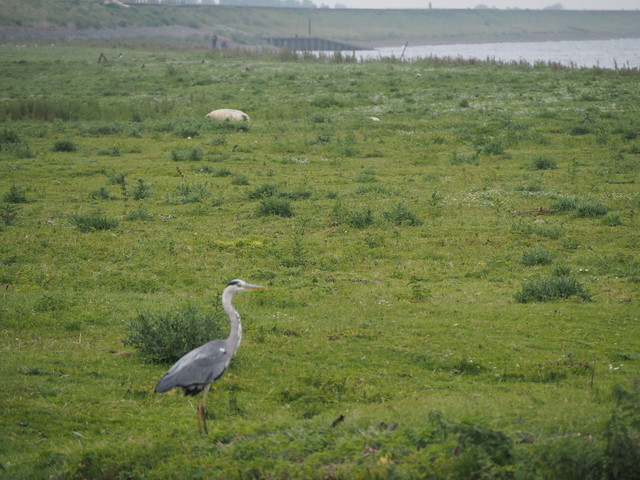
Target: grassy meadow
column 450, row 250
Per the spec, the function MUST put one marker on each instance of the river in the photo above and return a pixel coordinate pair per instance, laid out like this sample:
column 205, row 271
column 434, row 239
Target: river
column 618, row 53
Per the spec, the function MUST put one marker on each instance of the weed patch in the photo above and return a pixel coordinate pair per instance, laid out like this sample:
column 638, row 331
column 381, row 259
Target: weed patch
column 164, row 337
column 543, row 162
column 92, row 222
column 280, row 207
column 64, row 146
column 402, row 215
column 559, row 285
column 188, row 193
column 536, row 256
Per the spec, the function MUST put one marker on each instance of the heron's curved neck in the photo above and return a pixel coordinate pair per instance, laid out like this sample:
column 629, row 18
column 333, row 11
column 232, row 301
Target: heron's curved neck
column 235, row 335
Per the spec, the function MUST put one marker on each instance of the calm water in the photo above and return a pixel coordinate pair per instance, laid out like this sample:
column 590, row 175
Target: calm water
column 590, row 53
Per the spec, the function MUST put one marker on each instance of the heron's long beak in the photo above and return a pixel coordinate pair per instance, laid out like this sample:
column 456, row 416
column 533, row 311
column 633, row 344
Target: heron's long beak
column 254, row 287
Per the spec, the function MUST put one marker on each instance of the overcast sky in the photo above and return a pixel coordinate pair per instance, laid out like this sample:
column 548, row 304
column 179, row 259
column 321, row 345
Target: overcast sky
column 530, row 4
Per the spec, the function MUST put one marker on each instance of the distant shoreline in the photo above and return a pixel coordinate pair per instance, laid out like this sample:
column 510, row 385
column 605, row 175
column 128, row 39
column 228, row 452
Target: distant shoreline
column 425, row 41
column 9, row 34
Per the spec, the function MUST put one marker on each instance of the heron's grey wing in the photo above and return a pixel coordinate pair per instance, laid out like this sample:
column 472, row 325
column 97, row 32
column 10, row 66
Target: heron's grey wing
column 197, row 368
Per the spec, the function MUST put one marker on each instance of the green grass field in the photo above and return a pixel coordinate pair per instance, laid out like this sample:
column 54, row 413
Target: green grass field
column 452, row 289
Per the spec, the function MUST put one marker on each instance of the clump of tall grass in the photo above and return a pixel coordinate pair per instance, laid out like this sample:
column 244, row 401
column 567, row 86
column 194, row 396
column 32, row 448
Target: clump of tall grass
column 263, row 191
column 16, row 194
column 8, row 136
column 552, row 231
column 591, row 209
column 494, row 146
column 295, row 194
column 536, row 256
column 101, row 193
column 113, row 151
column 564, row 204
column 268, row 190
column 351, row 217
column 366, row 176
column 166, row 336
column 193, row 154
column 11, row 144
column 118, row 179
column 458, row 158
column 580, row 129
column 64, row 146
column 612, row 220
column 92, row 222
column 140, row 213
column 222, row 172
column 240, row 179
column 326, row 101
column 280, row 207
column 8, row 214
column 401, row 215
column 583, row 207
column 188, row 193
column 141, row 190
column 543, row 162
column 559, row 285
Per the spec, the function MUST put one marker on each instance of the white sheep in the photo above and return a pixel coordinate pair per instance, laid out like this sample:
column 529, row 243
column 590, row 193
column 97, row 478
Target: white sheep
column 228, row 114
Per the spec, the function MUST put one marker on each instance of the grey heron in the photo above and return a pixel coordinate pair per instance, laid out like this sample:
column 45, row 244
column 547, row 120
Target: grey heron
column 198, row 369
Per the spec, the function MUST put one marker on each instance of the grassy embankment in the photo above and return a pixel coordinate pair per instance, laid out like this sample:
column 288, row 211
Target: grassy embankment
column 404, row 258
column 369, row 27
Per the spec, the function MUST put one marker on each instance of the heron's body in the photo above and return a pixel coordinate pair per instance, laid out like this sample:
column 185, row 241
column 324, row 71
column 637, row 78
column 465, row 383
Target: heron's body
column 198, row 369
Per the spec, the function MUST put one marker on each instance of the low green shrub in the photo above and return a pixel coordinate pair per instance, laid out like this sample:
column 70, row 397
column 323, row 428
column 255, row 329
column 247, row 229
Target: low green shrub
column 295, row 194
column 101, row 193
column 621, row 455
column 8, row 136
column 263, row 191
column 64, row 146
column 193, row 154
column 188, row 193
column 536, row 256
column 113, row 151
column 280, row 207
column 140, row 213
column 543, row 162
column 458, row 158
column 118, row 179
column 91, row 222
column 401, row 215
column 560, row 285
column 612, row 220
column 222, row 172
column 565, row 204
column 8, row 214
column 141, row 190
column 591, row 209
column 353, row 218
column 16, row 194
column 547, row 230
column 166, row 336
column 493, row 147
column 580, row 129
column 240, row 179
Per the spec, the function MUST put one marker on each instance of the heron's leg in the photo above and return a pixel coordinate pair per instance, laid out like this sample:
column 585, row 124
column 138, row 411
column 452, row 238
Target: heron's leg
column 201, row 408
column 200, row 416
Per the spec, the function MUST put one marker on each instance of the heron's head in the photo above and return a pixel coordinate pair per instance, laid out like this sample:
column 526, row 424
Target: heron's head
column 238, row 285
